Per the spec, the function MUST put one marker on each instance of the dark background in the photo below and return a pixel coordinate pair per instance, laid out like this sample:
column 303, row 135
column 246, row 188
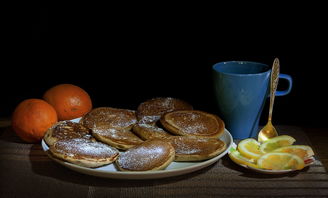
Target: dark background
column 123, row 60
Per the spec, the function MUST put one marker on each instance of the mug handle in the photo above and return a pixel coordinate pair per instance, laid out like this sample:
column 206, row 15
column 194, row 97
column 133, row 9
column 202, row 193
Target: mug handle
column 290, row 84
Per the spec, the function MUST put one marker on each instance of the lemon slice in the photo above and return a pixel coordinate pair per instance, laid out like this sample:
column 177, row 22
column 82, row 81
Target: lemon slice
column 250, row 148
column 302, row 151
column 276, row 142
column 239, row 159
column 280, row 161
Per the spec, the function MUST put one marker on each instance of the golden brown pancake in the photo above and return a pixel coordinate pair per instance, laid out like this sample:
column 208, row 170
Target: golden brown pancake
column 193, row 123
column 122, row 119
column 151, row 110
column 150, row 155
column 190, row 148
column 84, row 152
column 111, row 126
column 66, row 130
column 121, row 139
column 148, row 131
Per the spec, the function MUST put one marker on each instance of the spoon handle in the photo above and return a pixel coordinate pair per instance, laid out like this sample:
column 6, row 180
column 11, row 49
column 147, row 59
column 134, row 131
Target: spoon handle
column 273, row 84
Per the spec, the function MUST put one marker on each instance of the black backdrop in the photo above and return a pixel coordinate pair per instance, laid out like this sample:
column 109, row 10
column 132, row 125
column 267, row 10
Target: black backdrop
column 121, row 64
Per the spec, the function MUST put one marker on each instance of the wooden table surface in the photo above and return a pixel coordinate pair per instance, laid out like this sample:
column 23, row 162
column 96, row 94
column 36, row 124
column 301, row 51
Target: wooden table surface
column 26, row 171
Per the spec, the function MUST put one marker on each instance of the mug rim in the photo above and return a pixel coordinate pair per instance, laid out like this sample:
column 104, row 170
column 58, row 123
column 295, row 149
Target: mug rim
column 241, row 62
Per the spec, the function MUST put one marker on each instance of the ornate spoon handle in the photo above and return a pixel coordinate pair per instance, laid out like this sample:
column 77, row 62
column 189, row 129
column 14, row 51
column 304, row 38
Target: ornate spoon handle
column 273, row 84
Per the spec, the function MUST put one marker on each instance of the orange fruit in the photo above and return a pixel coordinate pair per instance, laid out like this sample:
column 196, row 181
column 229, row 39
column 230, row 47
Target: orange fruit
column 32, row 118
column 69, row 101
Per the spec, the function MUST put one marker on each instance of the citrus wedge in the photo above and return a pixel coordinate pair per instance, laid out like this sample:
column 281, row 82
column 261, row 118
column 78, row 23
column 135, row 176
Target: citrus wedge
column 239, row 159
column 250, row 148
column 276, row 142
column 302, row 151
column 280, row 161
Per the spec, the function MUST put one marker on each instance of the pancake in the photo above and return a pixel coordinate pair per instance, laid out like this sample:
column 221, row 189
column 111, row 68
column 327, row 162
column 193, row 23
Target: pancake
column 120, row 139
column 151, row 110
column 84, row 152
column 188, row 148
column 193, row 123
column 150, row 155
column 66, row 130
column 148, row 131
column 111, row 126
column 122, row 119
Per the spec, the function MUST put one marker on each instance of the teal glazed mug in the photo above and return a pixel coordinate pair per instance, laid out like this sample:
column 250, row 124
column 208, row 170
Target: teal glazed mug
column 241, row 89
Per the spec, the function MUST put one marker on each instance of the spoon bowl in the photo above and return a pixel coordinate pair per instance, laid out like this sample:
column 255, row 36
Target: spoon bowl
column 267, row 132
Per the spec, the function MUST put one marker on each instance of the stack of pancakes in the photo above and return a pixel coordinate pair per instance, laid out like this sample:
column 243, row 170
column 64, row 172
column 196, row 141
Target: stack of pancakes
column 162, row 130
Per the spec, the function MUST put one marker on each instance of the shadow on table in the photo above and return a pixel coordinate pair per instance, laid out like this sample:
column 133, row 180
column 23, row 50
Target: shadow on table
column 8, row 135
column 42, row 165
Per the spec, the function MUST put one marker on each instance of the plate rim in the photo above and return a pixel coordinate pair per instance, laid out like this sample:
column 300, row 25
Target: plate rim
column 144, row 174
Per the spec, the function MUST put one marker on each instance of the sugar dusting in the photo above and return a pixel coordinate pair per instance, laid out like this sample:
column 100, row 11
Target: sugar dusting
column 193, row 145
column 115, row 134
column 116, row 118
column 149, row 119
column 182, row 148
column 157, row 107
column 195, row 129
column 82, row 147
column 194, row 122
column 146, row 156
column 152, row 128
column 70, row 130
column 149, row 131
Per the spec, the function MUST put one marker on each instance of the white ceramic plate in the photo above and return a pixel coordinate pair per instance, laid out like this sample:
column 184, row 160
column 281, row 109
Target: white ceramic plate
column 174, row 169
column 265, row 171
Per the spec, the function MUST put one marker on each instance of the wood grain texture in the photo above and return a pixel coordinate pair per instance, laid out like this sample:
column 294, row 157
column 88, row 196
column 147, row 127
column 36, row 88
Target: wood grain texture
column 319, row 140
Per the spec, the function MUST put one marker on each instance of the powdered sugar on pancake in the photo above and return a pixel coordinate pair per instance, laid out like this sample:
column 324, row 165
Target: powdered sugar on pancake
column 70, row 130
column 194, row 123
column 66, row 130
column 152, row 128
column 119, row 135
column 194, row 145
column 82, row 148
column 195, row 129
column 151, row 110
column 149, row 119
column 183, row 148
column 115, row 118
column 147, row 156
column 149, row 131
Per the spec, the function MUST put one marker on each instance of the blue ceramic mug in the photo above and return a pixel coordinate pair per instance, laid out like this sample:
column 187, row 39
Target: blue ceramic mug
column 241, row 89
